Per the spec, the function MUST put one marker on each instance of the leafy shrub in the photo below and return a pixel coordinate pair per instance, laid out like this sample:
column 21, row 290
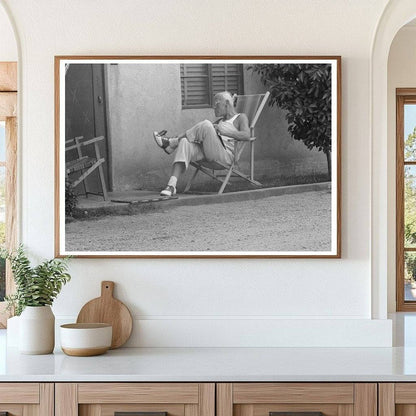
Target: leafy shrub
column 304, row 91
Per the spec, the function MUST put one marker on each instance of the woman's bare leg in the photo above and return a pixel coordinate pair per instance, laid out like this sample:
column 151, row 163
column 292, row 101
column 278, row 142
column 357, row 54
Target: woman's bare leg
column 178, row 168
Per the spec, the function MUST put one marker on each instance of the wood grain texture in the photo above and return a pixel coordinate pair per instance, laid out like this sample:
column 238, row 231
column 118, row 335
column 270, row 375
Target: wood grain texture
column 345, row 410
column 8, row 76
column 252, row 393
column 171, row 409
column 31, row 410
column 400, row 304
column 107, row 309
column 264, row 409
column 405, row 91
column 191, row 410
column 8, row 105
column 11, row 204
column 13, row 409
column 11, row 196
column 405, row 410
column 90, row 410
column 224, row 399
column 47, row 399
column 386, row 399
column 247, row 410
column 405, row 393
column 138, row 393
column 57, row 160
column 365, row 399
column 207, row 399
column 66, row 399
column 27, row 393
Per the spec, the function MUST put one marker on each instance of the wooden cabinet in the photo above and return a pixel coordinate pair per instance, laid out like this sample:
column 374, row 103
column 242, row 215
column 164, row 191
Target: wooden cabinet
column 297, row 399
column 108, row 399
column 27, row 399
column 207, row 399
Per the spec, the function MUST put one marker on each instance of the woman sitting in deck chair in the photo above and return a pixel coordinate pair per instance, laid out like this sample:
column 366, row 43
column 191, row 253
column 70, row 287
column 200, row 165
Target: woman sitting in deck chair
column 212, row 141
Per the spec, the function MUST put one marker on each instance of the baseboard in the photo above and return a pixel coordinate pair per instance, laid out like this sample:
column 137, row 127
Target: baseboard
column 203, row 332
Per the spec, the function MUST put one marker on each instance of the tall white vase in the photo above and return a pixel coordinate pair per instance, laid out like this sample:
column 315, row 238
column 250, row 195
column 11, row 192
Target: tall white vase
column 37, row 330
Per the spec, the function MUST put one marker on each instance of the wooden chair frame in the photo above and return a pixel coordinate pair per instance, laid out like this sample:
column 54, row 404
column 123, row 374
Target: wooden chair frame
column 85, row 164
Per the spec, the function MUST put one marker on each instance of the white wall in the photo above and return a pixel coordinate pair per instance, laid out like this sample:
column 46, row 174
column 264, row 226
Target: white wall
column 8, row 46
column 211, row 302
column 401, row 74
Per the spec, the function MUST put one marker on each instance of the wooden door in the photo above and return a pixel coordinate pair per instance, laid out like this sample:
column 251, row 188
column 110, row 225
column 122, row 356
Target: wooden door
column 297, row 399
column 85, row 112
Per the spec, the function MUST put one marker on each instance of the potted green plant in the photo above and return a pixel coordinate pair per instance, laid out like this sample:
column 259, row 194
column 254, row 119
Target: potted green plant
column 36, row 289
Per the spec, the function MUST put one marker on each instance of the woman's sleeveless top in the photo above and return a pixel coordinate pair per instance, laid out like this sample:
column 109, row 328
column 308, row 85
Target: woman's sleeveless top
column 229, row 141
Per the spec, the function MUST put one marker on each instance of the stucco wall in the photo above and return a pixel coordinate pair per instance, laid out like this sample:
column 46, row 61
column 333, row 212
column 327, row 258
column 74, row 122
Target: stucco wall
column 179, row 301
column 147, row 97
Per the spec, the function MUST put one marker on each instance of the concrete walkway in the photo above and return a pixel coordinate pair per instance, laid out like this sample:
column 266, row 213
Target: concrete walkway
column 133, row 202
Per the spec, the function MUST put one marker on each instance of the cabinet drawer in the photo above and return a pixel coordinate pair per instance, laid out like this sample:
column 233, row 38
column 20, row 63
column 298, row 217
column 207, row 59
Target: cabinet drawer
column 138, row 393
column 297, row 399
column 19, row 393
column 152, row 399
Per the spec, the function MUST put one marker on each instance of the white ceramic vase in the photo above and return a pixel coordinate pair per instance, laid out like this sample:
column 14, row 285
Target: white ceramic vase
column 37, row 330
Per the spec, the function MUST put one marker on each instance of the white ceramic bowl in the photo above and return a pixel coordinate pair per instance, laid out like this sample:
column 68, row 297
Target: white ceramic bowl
column 84, row 340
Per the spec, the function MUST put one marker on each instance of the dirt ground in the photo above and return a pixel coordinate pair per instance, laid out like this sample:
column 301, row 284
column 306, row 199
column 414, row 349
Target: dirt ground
column 297, row 222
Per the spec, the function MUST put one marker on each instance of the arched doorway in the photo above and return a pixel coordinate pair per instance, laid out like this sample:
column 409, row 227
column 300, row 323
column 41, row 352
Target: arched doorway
column 396, row 15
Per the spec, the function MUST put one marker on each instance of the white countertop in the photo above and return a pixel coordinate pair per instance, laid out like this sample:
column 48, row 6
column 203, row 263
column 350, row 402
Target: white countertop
column 213, row 364
column 222, row 364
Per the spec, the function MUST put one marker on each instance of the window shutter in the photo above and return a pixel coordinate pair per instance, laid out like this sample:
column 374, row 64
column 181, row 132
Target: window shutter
column 195, row 85
column 227, row 77
column 200, row 82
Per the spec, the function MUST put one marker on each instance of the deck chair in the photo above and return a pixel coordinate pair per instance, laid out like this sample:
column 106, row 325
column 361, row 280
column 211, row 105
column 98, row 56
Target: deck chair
column 81, row 166
column 252, row 106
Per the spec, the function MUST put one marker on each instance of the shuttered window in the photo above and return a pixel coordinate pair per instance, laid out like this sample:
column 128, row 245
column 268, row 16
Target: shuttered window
column 200, row 82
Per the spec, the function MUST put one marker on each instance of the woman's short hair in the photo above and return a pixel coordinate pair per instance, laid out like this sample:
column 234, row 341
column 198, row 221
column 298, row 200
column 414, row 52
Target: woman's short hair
column 227, row 97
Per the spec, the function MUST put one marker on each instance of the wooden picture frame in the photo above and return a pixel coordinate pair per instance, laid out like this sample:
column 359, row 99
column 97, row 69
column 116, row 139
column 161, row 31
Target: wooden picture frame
column 286, row 201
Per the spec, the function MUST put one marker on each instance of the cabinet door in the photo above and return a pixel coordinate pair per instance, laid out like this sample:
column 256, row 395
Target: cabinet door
column 296, row 399
column 26, row 399
column 143, row 399
column 397, row 399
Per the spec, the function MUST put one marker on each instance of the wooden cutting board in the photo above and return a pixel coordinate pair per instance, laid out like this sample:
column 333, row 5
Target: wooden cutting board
column 107, row 309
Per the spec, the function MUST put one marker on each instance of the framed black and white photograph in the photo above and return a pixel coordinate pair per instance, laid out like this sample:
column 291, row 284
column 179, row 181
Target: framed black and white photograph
column 198, row 156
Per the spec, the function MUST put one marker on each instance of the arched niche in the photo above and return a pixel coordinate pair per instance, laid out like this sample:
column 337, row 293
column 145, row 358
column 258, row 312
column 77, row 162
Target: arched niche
column 396, row 14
